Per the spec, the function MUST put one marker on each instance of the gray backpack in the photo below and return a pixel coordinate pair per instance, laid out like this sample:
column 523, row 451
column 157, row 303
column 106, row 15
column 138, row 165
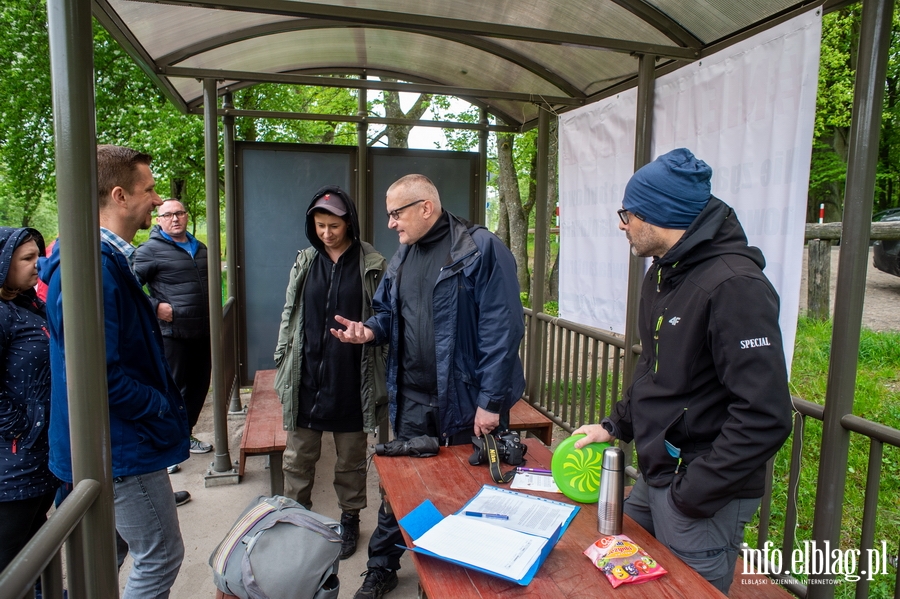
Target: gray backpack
column 278, row 549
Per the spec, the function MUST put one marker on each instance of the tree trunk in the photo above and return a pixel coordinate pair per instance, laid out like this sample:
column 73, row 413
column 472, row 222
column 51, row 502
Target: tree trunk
column 398, row 135
column 502, row 223
column 512, row 201
column 551, row 286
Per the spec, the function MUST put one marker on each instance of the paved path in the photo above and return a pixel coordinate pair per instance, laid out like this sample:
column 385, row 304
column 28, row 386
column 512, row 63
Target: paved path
column 881, row 311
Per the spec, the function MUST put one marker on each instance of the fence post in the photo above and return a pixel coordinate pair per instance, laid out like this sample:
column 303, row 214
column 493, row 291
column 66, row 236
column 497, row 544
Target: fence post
column 818, row 293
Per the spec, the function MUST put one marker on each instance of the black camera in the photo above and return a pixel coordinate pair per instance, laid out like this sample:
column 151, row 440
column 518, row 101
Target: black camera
column 509, row 449
column 417, row 447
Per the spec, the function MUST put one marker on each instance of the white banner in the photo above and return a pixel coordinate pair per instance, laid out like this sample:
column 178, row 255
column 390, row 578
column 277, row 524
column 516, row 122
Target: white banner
column 748, row 112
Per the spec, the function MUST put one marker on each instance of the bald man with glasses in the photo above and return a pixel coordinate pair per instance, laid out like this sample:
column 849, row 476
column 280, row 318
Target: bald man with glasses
column 172, row 263
column 449, row 310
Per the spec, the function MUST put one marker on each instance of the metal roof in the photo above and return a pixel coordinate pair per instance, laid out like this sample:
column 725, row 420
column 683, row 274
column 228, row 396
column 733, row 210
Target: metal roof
column 507, row 55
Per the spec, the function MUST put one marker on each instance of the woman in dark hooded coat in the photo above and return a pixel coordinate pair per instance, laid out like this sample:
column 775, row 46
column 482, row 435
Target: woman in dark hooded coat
column 27, row 486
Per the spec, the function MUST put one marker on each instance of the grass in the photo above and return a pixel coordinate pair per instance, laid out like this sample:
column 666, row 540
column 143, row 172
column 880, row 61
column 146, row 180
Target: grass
column 876, row 399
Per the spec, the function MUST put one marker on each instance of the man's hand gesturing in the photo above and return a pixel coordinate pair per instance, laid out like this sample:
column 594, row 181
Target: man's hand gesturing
column 356, row 332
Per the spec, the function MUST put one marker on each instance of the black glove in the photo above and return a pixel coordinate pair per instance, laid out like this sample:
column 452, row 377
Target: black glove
column 417, row 447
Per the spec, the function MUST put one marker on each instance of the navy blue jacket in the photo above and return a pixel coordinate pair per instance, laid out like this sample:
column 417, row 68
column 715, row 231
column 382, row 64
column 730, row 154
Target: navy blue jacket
column 147, row 418
column 478, row 326
column 24, row 386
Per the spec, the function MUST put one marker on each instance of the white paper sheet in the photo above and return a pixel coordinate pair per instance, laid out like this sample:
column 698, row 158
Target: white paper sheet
column 478, row 542
column 530, row 481
column 527, row 513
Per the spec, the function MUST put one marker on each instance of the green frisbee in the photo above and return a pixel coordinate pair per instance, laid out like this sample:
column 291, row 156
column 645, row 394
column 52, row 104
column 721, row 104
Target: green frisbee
column 577, row 471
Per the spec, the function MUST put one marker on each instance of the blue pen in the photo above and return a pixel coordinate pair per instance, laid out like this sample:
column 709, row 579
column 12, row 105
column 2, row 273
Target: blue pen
column 484, row 515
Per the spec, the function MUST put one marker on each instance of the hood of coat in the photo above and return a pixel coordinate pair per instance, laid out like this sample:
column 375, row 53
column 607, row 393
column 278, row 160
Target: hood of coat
column 716, row 231
column 349, row 206
column 10, row 239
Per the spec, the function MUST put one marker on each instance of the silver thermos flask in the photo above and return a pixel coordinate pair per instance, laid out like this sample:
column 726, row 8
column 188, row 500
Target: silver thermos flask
column 612, row 492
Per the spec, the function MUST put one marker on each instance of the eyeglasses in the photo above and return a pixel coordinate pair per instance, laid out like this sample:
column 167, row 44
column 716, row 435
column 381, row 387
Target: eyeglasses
column 170, row 215
column 395, row 214
column 623, row 215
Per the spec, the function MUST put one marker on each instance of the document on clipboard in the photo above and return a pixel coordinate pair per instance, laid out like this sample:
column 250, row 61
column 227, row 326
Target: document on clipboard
column 505, row 533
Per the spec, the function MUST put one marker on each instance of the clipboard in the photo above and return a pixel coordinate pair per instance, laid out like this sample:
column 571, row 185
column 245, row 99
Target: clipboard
column 426, row 516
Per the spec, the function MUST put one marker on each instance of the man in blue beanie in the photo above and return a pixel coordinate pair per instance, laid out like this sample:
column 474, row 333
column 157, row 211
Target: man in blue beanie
column 709, row 404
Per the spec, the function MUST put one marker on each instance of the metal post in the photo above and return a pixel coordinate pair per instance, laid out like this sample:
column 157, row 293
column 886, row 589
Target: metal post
column 363, row 202
column 868, row 99
column 643, row 136
column 222, row 462
column 71, row 64
column 540, row 252
column 480, row 214
column 231, row 250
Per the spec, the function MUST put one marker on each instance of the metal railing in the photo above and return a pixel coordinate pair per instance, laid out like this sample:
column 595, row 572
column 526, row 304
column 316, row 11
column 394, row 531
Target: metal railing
column 878, row 435
column 578, row 379
column 41, row 557
column 578, row 372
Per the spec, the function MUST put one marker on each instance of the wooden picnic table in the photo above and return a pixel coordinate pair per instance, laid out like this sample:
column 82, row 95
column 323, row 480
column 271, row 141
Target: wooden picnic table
column 449, row 482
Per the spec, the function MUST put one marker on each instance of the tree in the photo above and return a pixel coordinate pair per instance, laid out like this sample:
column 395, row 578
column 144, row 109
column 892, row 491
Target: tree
column 26, row 118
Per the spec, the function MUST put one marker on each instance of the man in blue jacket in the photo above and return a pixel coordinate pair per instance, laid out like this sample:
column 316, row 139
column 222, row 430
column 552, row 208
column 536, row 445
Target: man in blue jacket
column 147, row 416
column 449, row 310
column 710, row 403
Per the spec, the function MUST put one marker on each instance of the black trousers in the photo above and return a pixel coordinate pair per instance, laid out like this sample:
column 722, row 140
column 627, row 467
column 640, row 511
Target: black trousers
column 191, row 364
column 413, row 419
column 19, row 521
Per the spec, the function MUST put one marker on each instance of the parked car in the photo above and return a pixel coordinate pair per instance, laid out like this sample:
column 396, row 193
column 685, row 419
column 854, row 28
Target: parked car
column 886, row 252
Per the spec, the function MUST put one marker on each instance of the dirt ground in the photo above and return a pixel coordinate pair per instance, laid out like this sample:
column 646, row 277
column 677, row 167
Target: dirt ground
column 881, row 310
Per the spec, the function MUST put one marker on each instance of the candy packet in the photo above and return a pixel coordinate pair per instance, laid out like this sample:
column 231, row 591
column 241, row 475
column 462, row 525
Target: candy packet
column 623, row 561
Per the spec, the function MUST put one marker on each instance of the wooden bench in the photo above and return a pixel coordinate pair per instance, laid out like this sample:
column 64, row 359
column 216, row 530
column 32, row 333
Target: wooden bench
column 264, row 432
column 525, row 417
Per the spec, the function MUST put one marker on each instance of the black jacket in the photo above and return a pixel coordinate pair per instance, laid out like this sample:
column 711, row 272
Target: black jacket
column 711, row 379
column 176, row 278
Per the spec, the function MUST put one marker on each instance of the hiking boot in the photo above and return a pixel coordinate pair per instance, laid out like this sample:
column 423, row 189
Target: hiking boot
column 182, row 497
column 379, row 581
column 349, row 534
column 198, row 446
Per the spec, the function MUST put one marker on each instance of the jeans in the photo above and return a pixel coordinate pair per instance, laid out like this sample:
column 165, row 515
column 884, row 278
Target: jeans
column 148, row 523
column 708, row 545
column 302, row 451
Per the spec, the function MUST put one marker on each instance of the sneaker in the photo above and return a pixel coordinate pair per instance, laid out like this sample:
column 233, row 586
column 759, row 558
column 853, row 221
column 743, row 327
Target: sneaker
column 349, row 535
column 182, row 497
column 198, row 446
column 173, row 468
column 379, row 581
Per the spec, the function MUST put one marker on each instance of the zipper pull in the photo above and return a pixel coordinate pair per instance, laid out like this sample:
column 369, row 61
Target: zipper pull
column 14, row 443
column 678, row 466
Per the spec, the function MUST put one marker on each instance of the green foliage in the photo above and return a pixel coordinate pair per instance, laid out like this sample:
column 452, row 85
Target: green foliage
column 301, row 99
column 26, row 151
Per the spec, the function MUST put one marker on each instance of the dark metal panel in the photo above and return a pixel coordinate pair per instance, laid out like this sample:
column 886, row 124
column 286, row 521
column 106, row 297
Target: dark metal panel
column 275, row 183
column 425, row 23
column 868, row 100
